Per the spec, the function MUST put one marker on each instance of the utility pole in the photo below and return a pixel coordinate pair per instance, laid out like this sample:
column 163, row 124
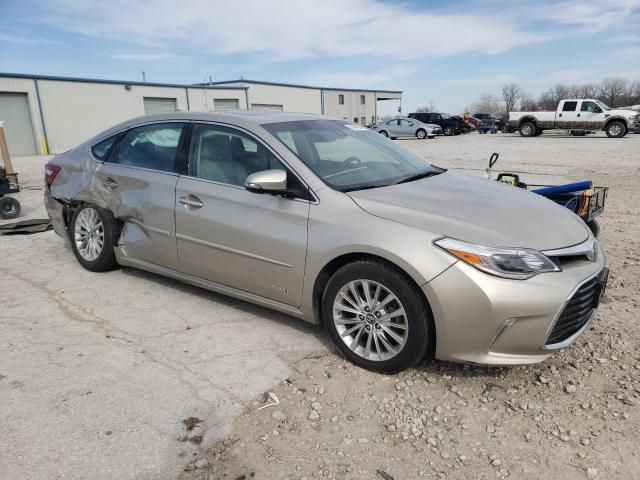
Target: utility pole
column 143, row 77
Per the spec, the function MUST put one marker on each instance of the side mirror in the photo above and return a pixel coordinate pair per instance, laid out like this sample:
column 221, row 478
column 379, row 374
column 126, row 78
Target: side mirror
column 267, row 181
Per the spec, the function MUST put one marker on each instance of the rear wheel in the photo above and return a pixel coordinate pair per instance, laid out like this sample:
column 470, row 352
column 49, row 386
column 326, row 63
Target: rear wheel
column 376, row 316
column 528, row 129
column 421, row 134
column 9, row 208
column 616, row 129
column 94, row 232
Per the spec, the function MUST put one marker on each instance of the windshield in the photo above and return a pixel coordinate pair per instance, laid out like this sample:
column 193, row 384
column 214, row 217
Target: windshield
column 347, row 156
column 603, row 105
column 445, row 115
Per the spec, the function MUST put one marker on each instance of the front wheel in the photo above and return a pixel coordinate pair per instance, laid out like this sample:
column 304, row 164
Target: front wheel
column 421, row 134
column 9, row 208
column 384, row 133
column 616, row 129
column 377, row 317
column 94, row 232
column 449, row 131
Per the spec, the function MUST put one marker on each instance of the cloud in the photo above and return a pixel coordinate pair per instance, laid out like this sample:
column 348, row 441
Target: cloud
column 633, row 52
column 284, row 30
column 371, row 79
column 25, row 40
column 142, row 57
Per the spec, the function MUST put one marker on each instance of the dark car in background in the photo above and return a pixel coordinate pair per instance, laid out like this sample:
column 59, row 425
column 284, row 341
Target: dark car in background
column 450, row 125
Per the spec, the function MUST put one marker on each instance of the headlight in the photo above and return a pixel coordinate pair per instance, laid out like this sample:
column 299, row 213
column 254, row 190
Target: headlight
column 516, row 263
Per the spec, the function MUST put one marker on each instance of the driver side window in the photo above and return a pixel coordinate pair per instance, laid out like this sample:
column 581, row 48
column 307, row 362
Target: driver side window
column 226, row 155
column 590, row 107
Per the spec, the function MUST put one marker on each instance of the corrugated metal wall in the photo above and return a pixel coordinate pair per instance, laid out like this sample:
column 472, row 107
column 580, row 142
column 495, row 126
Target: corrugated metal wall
column 76, row 110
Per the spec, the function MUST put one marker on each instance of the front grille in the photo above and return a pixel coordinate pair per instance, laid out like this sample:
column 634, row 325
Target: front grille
column 576, row 312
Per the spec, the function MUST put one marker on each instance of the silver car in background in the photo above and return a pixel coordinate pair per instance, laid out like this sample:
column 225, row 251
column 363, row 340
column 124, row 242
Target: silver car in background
column 330, row 222
column 407, row 127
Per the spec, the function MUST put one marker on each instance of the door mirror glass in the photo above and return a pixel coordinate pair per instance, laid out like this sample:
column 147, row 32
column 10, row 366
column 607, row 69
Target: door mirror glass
column 267, row 181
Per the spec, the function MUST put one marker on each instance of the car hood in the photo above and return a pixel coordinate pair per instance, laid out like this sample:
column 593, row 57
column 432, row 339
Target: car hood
column 620, row 112
column 476, row 210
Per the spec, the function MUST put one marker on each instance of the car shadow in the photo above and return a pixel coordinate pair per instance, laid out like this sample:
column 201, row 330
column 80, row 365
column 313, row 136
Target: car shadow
column 428, row 366
column 272, row 315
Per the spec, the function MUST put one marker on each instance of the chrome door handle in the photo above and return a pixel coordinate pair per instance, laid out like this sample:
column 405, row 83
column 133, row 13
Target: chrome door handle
column 191, row 201
column 110, row 183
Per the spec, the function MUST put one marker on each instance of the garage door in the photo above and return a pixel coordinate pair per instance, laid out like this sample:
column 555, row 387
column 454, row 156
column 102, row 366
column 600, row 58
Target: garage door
column 18, row 128
column 159, row 105
column 225, row 103
column 266, row 106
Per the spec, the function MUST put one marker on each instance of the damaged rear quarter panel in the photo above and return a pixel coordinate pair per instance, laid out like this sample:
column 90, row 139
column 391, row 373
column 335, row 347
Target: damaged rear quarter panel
column 143, row 201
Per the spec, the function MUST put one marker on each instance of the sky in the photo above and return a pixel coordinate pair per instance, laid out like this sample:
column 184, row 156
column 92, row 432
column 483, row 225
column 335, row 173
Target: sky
column 445, row 52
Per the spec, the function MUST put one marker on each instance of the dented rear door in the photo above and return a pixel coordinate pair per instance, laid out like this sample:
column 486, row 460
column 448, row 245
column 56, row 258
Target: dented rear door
column 138, row 185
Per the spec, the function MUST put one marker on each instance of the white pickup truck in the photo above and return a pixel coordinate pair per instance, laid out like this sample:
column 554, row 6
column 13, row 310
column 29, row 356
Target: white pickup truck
column 579, row 115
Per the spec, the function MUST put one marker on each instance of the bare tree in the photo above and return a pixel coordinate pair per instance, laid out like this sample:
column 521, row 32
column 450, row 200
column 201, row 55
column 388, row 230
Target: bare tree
column 587, row 90
column 511, row 95
column 612, row 90
column 486, row 103
column 528, row 103
column 632, row 94
column 429, row 107
column 549, row 100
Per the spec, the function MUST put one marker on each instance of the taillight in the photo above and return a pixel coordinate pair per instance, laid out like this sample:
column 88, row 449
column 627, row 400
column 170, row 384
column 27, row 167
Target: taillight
column 50, row 173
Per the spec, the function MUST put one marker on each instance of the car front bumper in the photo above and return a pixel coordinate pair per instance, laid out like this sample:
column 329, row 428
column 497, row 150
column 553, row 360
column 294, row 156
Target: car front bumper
column 490, row 320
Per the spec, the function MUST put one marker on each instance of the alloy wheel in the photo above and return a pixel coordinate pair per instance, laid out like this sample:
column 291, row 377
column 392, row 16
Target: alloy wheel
column 615, row 130
column 370, row 320
column 89, row 234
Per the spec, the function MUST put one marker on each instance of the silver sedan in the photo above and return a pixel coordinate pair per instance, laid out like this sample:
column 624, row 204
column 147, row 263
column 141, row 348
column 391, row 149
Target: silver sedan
column 330, row 222
column 407, row 127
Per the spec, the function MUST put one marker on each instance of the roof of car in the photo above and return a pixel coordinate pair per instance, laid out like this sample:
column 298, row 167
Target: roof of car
column 253, row 116
column 241, row 118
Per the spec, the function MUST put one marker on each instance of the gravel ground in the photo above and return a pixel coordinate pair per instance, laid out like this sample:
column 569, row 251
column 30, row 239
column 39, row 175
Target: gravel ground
column 577, row 415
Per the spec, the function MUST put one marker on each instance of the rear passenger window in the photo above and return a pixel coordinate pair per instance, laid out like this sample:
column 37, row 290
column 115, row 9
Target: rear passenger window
column 102, row 149
column 227, row 155
column 569, row 106
column 151, row 146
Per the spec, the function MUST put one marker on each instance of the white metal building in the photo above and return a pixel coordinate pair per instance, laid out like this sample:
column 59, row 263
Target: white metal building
column 359, row 106
column 45, row 114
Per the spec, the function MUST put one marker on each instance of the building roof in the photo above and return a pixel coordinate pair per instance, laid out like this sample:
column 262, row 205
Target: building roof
column 115, row 82
column 278, row 84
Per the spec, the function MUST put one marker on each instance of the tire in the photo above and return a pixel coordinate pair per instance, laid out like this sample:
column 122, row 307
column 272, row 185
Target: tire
column 417, row 336
column 616, row 129
column 421, row 134
column 538, row 132
column 449, row 131
column 528, row 129
column 384, row 133
column 594, row 226
column 9, row 208
column 104, row 227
